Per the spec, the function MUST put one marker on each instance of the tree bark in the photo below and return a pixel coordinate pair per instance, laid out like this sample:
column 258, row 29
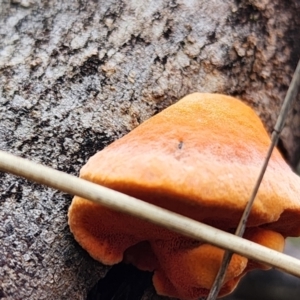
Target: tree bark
column 76, row 75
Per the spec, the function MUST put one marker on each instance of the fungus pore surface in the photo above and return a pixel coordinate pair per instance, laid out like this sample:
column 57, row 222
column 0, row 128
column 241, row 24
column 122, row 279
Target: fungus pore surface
column 200, row 158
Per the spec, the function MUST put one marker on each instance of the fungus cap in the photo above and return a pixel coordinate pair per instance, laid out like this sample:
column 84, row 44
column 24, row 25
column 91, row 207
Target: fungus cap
column 199, row 157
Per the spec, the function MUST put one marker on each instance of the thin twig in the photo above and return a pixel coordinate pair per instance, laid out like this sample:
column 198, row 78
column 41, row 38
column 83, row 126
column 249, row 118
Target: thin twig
column 290, row 96
column 140, row 209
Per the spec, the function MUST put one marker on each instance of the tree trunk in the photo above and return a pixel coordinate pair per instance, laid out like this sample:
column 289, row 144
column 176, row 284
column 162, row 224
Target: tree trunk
column 76, row 75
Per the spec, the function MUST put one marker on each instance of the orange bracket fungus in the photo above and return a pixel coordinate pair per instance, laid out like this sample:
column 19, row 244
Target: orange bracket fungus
column 200, row 158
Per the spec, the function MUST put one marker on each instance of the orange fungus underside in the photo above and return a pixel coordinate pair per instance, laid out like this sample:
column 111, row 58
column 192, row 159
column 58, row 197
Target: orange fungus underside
column 200, row 158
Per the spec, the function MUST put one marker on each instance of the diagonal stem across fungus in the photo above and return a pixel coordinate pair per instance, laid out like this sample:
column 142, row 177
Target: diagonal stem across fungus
column 290, row 96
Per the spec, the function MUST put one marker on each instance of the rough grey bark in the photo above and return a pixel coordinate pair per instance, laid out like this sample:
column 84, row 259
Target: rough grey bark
column 76, row 75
